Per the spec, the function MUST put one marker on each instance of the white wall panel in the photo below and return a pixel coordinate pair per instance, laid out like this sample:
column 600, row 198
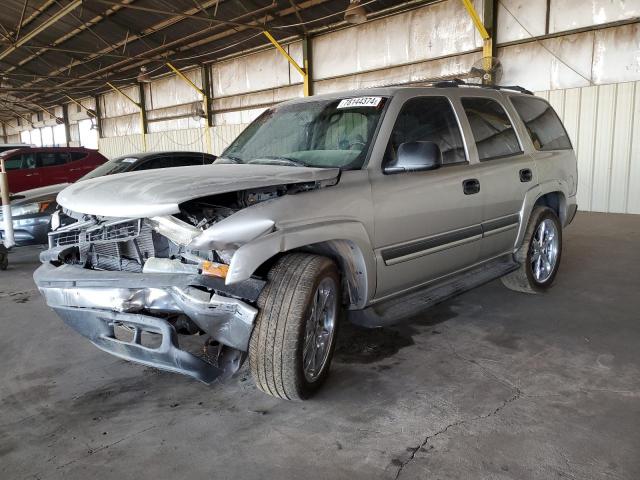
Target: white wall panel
column 258, row 71
column 433, row 31
column 566, row 62
column 116, row 146
column 616, row 54
column 114, row 104
column 571, row 14
column 187, row 140
column 604, row 125
column 413, row 73
column 223, row 135
column 603, row 147
column 513, row 15
column 172, row 90
column 118, row 126
column 633, row 180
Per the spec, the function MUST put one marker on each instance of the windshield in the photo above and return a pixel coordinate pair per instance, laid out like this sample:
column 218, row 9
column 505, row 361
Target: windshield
column 116, row 165
column 323, row 133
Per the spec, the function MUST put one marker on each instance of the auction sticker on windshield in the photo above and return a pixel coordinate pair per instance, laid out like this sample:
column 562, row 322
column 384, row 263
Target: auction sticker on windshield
column 360, row 102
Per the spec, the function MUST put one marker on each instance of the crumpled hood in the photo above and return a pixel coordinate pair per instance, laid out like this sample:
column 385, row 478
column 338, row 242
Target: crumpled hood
column 151, row 193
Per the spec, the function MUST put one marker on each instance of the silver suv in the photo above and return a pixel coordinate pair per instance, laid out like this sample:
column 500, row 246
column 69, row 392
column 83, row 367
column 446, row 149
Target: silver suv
column 372, row 204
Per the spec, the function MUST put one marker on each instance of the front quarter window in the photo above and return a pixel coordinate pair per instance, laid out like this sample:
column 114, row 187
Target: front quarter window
column 322, row 133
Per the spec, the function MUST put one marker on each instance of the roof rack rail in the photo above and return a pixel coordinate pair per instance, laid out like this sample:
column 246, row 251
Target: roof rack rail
column 456, row 82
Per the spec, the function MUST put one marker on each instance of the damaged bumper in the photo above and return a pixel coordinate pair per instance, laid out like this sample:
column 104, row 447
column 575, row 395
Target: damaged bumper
column 95, row 303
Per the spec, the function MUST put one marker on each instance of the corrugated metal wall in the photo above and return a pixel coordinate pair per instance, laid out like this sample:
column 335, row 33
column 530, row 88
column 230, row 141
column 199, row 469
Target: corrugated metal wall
column 604, row 125
column 189, row 140
column 580, row 72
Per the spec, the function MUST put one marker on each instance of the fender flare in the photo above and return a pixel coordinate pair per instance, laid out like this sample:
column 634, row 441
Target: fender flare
column 530, row 199
column 347, row 240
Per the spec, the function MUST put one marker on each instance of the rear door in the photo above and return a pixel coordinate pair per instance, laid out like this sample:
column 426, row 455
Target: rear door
column 426, row 226
column 507, row 172
column 22, row 172
column 53, row 167
column 80, row 164
column 554, row 156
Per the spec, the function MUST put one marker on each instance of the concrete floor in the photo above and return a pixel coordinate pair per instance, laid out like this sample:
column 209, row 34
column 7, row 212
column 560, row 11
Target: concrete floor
column 492, row 384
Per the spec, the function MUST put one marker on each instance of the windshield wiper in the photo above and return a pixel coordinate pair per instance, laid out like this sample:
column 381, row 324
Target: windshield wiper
column 275, row 160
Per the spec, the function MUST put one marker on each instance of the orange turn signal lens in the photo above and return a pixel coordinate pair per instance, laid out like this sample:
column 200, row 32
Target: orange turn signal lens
column 43, row 206
column 214, row 269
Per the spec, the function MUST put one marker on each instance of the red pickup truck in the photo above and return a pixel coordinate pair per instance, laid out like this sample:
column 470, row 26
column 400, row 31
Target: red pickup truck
column 29, row 168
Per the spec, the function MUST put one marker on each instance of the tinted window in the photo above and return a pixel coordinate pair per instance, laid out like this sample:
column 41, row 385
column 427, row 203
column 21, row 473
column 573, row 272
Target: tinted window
column 113, row 166
column 168, row 162
column 152, row 164
column 185, row 161
column 13, row 163
column 428, row 119
column 491, row 127
column 20, row 162
column 542, row 122
column 51, row 159
column 78, row 155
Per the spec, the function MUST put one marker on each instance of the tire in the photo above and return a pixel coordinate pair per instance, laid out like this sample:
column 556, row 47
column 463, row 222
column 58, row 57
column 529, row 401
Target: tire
column 277, row 343
column 4, row 257
column 530, row 277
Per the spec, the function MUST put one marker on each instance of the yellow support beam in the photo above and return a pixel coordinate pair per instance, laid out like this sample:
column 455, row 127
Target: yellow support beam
column 487, row 41
column 139, row 105
column 476, row 19
column 46, row 110
column 205, row 103
column 185, row 78
column 89, row 112
column 301, row 70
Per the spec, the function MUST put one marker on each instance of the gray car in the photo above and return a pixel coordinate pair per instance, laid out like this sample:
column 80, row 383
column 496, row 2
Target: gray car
column 374, row 204
column 32, row 209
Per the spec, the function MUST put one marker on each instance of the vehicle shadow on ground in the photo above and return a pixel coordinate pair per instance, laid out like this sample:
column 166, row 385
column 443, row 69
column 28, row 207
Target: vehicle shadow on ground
column 360, row 345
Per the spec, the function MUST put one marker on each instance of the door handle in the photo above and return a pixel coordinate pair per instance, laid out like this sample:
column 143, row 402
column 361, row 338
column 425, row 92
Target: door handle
column 471, row 186
column 526, row 175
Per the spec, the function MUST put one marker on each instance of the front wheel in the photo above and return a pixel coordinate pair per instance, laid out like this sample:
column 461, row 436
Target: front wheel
column 293, row 340
column 539, row 255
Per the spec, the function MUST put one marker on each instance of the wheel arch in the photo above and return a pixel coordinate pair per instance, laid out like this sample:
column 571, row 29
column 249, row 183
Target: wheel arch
column 552, row 194
column 347, row 243
column 556, row 201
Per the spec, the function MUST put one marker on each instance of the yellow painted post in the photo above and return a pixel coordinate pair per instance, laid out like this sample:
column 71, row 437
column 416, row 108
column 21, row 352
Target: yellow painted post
column 487, row 42
column 205, row 105
column 302, row 71
column 139, row 105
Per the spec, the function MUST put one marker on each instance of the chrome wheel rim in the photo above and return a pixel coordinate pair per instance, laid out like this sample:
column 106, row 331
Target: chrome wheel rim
column 544, row 251
column 320, row 329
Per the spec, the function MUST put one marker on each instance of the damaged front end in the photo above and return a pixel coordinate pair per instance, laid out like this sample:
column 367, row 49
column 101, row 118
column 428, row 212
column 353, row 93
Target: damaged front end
column 132, row 285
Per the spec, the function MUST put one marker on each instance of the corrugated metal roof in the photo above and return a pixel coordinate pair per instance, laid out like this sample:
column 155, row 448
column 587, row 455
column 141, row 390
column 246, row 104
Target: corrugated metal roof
column 49, row 47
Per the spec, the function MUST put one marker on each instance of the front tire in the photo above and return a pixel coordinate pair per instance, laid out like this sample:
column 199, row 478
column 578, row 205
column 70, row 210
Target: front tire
column 294, row 336
column 539, row 255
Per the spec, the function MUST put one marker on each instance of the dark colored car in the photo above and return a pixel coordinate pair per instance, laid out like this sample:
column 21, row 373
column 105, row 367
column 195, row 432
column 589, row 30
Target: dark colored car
column 30, row 167
column 31, row 210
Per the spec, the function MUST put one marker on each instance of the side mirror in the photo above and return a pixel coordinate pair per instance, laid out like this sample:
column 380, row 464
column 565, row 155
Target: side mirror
column 415, row 157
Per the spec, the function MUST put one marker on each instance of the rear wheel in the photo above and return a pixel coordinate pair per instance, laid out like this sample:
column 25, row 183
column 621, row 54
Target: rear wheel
column 293, row 340
column 539, row 255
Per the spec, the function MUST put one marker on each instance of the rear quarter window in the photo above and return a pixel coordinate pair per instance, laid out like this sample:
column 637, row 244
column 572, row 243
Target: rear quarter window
column 543, row 124
column 491, row 127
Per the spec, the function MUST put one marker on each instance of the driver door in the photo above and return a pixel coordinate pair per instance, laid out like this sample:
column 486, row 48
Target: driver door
column 427, row 224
